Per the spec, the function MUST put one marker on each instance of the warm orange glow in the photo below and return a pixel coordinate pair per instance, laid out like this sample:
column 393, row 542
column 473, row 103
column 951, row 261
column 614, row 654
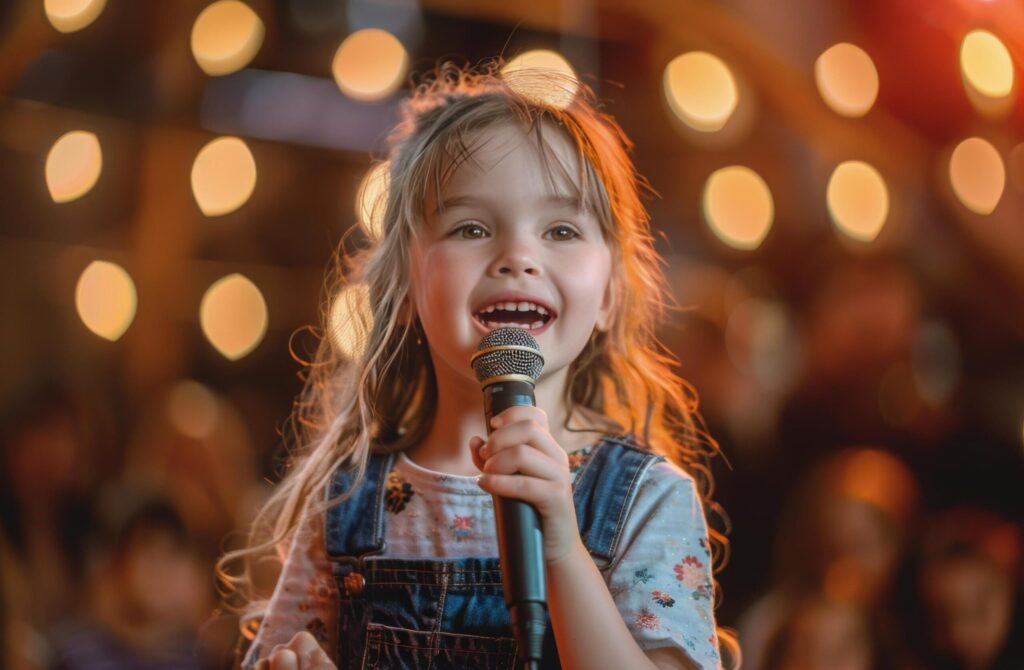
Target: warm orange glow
column 223, row 176
column 858, row 200
column 105, row 299
column 370, row 64
column 67, row 16
column 558, row 93
column 738, row 206
column 977, row 175
column 371, row 200
column 233, row 316
column 701, row 90
column 350, row 320
column 847, row 79
column 73, row 166
column 226, row 36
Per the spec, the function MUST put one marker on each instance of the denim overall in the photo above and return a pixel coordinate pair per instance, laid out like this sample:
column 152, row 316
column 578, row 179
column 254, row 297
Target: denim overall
column 433, row 614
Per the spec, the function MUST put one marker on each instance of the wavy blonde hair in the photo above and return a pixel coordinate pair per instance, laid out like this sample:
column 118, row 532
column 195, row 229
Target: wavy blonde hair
column 387, row 393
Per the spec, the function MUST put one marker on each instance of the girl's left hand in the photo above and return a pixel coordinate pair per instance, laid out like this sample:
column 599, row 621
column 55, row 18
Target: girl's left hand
column 521, row 460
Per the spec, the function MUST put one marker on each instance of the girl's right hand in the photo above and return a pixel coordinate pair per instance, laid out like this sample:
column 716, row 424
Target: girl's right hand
column 302, row 652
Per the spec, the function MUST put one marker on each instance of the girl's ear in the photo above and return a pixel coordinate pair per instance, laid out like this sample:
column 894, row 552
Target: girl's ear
column 608, row 305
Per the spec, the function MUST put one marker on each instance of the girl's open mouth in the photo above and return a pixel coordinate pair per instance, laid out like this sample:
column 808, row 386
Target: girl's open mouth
column 526, row 315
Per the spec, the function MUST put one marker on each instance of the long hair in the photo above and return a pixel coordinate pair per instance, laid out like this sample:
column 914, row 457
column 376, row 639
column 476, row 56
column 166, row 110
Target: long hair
column 381, row 389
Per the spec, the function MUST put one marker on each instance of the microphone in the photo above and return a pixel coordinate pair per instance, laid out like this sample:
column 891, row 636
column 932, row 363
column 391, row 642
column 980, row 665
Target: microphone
column 507, row 362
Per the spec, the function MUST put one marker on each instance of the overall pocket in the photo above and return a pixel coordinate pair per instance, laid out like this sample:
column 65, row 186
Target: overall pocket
column 389, row 648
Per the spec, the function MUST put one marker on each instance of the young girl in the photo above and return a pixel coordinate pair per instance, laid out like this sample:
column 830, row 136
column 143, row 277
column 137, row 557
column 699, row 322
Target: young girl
column 512, row 200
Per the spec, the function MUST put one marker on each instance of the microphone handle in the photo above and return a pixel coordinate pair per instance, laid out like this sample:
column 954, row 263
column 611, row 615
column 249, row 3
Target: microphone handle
column 520, row 541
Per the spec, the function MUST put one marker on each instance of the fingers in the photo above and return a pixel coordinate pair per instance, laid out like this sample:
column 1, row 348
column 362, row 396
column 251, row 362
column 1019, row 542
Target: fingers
column 523, row 431
column 520, row 413
column 282, row 658
column 302, row 652
column 523, row 459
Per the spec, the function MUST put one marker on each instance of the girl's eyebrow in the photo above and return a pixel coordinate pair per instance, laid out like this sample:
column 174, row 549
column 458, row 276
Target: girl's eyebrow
column 561, row 201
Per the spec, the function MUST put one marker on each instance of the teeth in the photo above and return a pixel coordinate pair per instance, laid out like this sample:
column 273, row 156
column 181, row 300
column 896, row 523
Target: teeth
column 536, row 324
column 517, row 307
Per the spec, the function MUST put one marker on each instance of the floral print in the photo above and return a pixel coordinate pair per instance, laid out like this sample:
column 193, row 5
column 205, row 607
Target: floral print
column 319, row 594
column 462, row 528
column 399, row 492
column 662, row 598
column 647, row 620
column 690, row 572
column 642, row 576
column 578, row 458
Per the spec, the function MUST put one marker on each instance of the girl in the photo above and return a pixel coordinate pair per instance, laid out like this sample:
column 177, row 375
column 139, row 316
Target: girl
column 511, row 200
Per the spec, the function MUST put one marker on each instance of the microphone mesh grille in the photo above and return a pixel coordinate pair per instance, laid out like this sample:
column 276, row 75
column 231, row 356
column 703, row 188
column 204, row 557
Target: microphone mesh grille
column 508, row 361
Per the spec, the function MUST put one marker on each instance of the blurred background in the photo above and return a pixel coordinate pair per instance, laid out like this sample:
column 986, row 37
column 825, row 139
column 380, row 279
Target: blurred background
column 840, row 206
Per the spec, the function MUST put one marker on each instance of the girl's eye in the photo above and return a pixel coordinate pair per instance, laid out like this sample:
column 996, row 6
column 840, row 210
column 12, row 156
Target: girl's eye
column 563, row 233
column 469, row 231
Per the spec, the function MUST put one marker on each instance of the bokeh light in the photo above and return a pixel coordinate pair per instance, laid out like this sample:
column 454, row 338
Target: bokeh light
column 370, row 64
column 977, row 175
column 556, row 91
column 858, row 200
column 760, row 340
column 738, row 206
column 986, row 64
column 701, row 90
column 106, row 300
column 223, row 176
column 847, row 79
column 73, row 165
column 233, row 316
column 226, row 36
column 193, row 409
column 371, row 200
column 67, row 16
column 350, row 320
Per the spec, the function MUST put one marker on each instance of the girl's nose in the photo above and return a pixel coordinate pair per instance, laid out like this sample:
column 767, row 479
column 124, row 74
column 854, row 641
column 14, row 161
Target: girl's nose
column 515, row 259
column 514, row 262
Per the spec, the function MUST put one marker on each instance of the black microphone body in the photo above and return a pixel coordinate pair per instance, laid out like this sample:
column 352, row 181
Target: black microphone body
column 507, row 363
column 520, row 540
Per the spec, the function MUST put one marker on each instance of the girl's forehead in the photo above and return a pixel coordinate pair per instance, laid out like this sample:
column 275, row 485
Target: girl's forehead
column 549, row 160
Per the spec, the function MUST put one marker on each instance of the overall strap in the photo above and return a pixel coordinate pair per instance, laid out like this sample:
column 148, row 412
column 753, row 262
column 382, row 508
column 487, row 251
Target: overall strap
column 355, row 526
column 605, row 490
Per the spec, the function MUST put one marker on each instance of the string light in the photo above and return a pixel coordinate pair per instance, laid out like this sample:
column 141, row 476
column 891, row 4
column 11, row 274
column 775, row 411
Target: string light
column 105, row 299
column 738, row 206
column 233, row 316
column 226, row 36
column 73, row 165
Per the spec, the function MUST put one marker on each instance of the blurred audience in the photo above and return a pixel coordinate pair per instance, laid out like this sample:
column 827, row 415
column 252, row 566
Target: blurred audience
column 827, row 635
column 148, row 592
column 839, row 548
column 969, row 577
column 48, row 471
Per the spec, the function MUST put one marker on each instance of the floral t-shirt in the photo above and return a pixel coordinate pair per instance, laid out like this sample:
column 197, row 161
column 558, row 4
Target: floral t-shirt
column 661, row 580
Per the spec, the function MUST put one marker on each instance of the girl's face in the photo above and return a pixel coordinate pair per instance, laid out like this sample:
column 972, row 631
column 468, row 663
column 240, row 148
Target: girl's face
column 503, row 229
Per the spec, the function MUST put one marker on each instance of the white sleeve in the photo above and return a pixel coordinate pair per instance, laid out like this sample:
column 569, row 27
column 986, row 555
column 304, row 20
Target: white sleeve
column 305, row 598
column 662, row 580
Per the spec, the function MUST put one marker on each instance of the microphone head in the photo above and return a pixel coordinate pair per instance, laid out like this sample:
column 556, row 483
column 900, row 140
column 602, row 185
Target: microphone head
column 506, row 354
